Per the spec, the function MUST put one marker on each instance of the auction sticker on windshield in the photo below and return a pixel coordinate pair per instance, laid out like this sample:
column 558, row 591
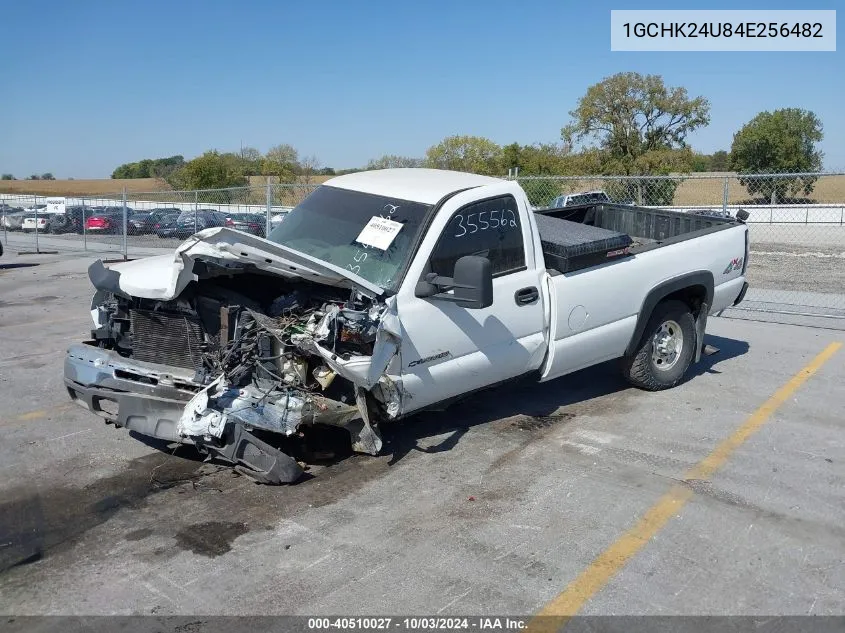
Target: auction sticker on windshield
column 379, row 233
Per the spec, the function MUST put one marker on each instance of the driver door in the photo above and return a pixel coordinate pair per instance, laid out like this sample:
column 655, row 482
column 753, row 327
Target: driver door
column 449, row 350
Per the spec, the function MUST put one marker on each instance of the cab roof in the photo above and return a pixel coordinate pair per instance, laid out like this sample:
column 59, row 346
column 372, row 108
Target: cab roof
column 414, row 184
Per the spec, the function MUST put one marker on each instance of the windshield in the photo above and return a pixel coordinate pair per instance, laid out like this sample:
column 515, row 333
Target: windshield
column 328, row 222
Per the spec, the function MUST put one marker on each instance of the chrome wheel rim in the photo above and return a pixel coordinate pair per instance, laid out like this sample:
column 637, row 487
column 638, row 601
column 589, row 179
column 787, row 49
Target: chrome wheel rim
column 666, row 345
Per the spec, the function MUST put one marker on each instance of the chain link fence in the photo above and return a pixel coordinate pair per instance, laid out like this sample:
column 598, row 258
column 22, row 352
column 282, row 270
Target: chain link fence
column 797, row 224
column 797, row 229
column 140, row 222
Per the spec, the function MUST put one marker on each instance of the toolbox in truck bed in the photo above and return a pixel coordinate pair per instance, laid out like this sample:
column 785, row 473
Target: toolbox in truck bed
column 569, row 246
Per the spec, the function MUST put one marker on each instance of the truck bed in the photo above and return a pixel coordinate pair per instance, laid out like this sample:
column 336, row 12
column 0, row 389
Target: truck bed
column 577, row 237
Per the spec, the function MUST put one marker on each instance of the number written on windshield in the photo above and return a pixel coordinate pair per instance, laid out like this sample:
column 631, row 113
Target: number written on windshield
column 474, row 222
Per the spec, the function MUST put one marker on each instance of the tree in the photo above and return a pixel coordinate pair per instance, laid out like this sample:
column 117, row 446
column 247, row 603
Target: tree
column 283, row 153
column 628, row 115
column 7, row 177
column 701, row 162
column 474, row 154
column 780, row 141
column 34, row 177
column 391, row 161
column 717, row 161
column 149, row 168
column 638, row 126
column 512, row 156
column 164, row 167
column 537, row 160
column 212, row 170
column 281, row 162
column 720, row 161
column 47, row 176
column 282, row 172
column 540, row 159
column 308, row 166
column 249, row 160
column 250, row 154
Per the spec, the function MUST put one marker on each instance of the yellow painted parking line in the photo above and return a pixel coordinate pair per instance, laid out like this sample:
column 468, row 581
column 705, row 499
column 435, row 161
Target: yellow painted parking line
column 563, row 606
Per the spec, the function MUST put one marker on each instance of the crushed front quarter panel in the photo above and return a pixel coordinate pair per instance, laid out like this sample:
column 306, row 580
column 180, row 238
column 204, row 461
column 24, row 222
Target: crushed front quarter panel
column 264, row 386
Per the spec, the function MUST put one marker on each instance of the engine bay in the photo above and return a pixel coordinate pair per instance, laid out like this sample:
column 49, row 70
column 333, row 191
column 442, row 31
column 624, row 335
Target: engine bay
column 273, row 358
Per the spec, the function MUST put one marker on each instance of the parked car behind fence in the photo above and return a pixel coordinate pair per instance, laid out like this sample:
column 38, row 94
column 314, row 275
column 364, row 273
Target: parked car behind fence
column 253, row 223
column 140, row 223
column 30, row 221
column 572, row 199
column 189, row 222
column 13, row 220
column 104, row 222
column 166, row 225
column 71, row 221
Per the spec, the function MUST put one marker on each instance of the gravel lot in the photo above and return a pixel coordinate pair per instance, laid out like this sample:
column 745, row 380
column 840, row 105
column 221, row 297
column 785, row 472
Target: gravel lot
column 495, row 505
column 798, row 258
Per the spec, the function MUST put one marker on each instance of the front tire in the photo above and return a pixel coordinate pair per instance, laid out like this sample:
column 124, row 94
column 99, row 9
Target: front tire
column 665, row 350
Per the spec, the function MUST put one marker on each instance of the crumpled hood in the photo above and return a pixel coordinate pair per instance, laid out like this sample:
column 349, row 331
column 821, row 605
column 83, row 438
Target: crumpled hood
column 166, row 276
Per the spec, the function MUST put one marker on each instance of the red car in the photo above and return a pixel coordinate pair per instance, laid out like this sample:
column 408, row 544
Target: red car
column 104, row 223
column 107, row 219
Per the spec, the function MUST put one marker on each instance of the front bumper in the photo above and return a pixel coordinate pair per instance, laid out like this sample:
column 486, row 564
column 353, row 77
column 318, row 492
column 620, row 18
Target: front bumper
column 143, row 397
column 150, row 399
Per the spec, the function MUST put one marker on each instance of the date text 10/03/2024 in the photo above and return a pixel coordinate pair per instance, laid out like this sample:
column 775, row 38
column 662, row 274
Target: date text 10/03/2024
column 418, row 623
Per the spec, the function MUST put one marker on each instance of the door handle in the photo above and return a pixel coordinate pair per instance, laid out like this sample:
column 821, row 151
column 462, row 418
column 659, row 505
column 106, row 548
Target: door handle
column 526, row 296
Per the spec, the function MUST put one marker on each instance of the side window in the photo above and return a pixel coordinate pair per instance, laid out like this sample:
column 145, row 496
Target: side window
column 490, row 228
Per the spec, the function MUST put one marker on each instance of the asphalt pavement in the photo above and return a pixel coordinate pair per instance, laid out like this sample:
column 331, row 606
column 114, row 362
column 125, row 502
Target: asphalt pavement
column 501, row 504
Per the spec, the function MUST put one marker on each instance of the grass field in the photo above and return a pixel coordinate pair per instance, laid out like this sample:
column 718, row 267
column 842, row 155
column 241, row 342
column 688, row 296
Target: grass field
column 697, row 190
column 703, row 189
column 81, row 187
column 827, row 189
column 106, row 186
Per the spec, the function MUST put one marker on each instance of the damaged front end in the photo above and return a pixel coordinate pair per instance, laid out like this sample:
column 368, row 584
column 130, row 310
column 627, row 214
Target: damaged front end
column 245, row 364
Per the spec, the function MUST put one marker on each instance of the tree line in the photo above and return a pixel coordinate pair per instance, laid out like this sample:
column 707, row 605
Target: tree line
column 216, row 170
column 44, row 176
column 632, row 124
column 626, row 124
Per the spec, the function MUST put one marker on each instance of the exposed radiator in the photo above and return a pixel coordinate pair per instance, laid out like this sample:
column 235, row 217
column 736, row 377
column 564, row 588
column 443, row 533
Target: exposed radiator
column 167, row 339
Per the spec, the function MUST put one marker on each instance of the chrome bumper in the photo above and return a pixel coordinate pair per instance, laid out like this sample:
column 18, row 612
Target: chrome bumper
column 143, row 397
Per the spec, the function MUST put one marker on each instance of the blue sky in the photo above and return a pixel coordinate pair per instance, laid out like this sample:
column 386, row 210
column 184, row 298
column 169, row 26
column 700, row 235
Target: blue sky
column 92, row 84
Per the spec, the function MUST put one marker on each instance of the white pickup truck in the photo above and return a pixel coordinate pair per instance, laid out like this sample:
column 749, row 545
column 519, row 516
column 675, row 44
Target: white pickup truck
column 385, row 293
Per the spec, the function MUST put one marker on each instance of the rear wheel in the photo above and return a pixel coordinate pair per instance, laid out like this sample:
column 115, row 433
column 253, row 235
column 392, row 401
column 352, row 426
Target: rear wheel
column 665, row 350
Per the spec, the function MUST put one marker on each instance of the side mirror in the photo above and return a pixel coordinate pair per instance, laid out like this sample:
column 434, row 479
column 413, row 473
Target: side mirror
column 471, row 284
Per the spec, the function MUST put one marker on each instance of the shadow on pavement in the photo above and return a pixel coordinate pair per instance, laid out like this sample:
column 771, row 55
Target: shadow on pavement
column 525, row 397
column 533, row 404
column 532, row 399
column 728, row 348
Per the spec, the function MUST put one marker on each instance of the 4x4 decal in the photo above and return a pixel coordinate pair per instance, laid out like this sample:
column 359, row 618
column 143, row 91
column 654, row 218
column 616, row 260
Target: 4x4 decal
column 736, row 264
